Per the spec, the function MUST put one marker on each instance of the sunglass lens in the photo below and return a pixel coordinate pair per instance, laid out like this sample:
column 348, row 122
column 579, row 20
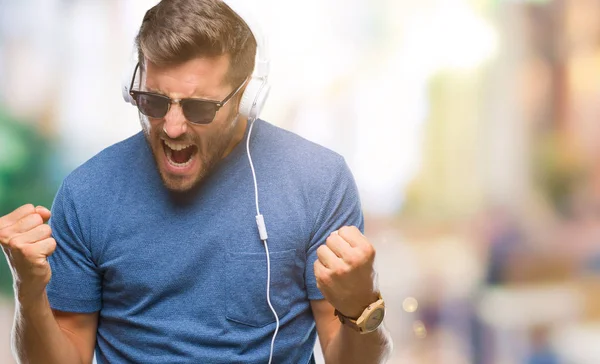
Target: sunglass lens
column 152, row 105
column 199, row 112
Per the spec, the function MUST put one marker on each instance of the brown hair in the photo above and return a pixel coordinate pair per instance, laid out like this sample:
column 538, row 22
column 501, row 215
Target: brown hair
column 176, row 31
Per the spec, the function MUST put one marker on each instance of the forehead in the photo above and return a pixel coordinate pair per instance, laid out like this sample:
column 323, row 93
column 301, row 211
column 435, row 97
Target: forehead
column 198, row 77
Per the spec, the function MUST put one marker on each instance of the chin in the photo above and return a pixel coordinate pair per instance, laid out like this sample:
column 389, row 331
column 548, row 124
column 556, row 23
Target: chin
column 183, row 168
column 180, row 184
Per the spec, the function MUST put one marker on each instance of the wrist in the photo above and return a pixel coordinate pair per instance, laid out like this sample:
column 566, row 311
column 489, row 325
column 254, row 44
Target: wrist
column 369, row 320
column 29, row 304
column 348, row 330
column 355, row 309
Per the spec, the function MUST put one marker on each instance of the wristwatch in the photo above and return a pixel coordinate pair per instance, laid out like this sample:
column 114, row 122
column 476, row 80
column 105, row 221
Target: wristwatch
column 369, row 320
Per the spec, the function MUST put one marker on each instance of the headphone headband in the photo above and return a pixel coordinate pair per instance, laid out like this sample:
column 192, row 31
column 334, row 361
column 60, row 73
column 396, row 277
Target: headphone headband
column 257, row 90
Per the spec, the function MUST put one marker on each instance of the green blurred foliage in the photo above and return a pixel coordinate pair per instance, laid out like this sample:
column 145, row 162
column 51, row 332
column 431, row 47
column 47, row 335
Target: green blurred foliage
column 26, row 174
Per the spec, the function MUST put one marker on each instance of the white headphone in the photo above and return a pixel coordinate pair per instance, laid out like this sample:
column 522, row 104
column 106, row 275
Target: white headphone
column 257, row 90
column 251, row 104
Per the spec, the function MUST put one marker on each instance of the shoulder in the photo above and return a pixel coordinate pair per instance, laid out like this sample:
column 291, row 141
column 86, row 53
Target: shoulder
column 108, row 166
column 287, row 147
column 290, row 162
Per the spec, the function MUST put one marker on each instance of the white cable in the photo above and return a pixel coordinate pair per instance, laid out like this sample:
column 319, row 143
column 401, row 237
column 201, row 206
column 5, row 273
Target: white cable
column 263, row 236
column 252, row 167
column 269, row 301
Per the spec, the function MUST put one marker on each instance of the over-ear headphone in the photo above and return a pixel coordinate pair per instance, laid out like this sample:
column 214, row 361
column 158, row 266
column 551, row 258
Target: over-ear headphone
column 251, row 104
column 257, row 89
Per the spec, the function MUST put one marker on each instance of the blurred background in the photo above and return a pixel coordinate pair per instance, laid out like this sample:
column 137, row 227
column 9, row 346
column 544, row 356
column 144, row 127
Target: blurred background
column 470, row 126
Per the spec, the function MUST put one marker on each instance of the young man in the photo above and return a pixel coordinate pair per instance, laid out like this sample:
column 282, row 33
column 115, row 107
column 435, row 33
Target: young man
column 153, row 247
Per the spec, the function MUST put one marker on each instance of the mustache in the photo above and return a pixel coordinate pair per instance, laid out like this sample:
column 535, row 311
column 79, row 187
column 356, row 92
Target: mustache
column 185, row 138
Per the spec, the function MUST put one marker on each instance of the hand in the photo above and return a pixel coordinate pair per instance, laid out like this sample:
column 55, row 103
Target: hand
column 344, row 271
column 26, row 241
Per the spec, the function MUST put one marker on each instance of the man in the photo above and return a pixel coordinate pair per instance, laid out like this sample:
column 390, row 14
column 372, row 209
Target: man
column 158, row 258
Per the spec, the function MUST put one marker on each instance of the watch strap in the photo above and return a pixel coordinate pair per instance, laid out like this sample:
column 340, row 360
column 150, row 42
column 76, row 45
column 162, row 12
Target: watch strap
column 352, row 322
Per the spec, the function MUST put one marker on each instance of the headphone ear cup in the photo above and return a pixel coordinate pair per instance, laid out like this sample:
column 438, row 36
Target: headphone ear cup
column 126, row 80
column 254, row 98
column 126, row 96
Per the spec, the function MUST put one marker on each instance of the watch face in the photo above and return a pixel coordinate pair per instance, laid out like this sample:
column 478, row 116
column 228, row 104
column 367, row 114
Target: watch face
column 375, row 319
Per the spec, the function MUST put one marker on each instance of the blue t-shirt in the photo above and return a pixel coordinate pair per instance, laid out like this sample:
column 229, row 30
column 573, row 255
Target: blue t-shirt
column 185, row 281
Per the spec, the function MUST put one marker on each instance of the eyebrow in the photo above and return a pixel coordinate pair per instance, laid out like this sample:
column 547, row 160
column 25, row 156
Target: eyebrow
column 157, row 91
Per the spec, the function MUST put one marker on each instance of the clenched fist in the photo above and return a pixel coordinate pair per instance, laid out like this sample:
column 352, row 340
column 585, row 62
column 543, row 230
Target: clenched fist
column 344, row 271
column 27, row 242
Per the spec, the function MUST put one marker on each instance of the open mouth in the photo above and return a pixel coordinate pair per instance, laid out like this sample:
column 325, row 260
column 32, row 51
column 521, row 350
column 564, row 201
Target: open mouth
column 179, row 155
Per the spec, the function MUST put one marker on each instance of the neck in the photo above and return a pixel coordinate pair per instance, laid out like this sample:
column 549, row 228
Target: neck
column 238, row 134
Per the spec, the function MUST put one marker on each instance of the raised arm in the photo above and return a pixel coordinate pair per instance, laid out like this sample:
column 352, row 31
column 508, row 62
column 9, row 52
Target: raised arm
column 39, row 334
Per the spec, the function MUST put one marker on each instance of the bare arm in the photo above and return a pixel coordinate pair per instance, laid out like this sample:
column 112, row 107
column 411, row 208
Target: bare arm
column 346, row 277
column 341, row 344
column 43, row 336
column 39, row 335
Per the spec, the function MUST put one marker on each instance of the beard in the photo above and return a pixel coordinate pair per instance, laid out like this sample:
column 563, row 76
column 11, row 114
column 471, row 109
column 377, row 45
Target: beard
column 209, row 153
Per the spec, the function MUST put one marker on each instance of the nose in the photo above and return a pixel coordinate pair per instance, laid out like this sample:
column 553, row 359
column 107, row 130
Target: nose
column 175, row 124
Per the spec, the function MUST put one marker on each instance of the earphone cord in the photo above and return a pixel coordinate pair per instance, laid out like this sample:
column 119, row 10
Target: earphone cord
column 252, row 167
column 263, row 235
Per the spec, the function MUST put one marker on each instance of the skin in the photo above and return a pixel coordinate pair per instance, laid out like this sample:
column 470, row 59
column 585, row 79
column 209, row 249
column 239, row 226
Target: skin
column 344, row 269
column 346, row 277
column 198, row 78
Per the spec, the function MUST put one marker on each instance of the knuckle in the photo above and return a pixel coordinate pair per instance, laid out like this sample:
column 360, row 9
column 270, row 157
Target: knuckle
column 341, row 271
column 4, row 236
column 52, row 244
column 370, row 251
column 14, row 243
column 350, row 229
column 329, row 240
column 26, row 250
column 39, row 263
column 353, row 261
column 28, row 208
column 321, row 249
column 344, row 230
column 318, row 272
column 45, row 229
column 37, row 219
column 324, row 279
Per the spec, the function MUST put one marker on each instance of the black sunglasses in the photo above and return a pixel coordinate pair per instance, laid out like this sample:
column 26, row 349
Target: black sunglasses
column 196, row 111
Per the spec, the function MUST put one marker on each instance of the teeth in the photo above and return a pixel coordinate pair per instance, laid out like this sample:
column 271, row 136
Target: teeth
column 177, row 146
column 180, row 165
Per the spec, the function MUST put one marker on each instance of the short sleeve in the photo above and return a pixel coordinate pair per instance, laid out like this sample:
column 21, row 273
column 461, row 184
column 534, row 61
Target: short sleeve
column 340, row 207
column 75, row 285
